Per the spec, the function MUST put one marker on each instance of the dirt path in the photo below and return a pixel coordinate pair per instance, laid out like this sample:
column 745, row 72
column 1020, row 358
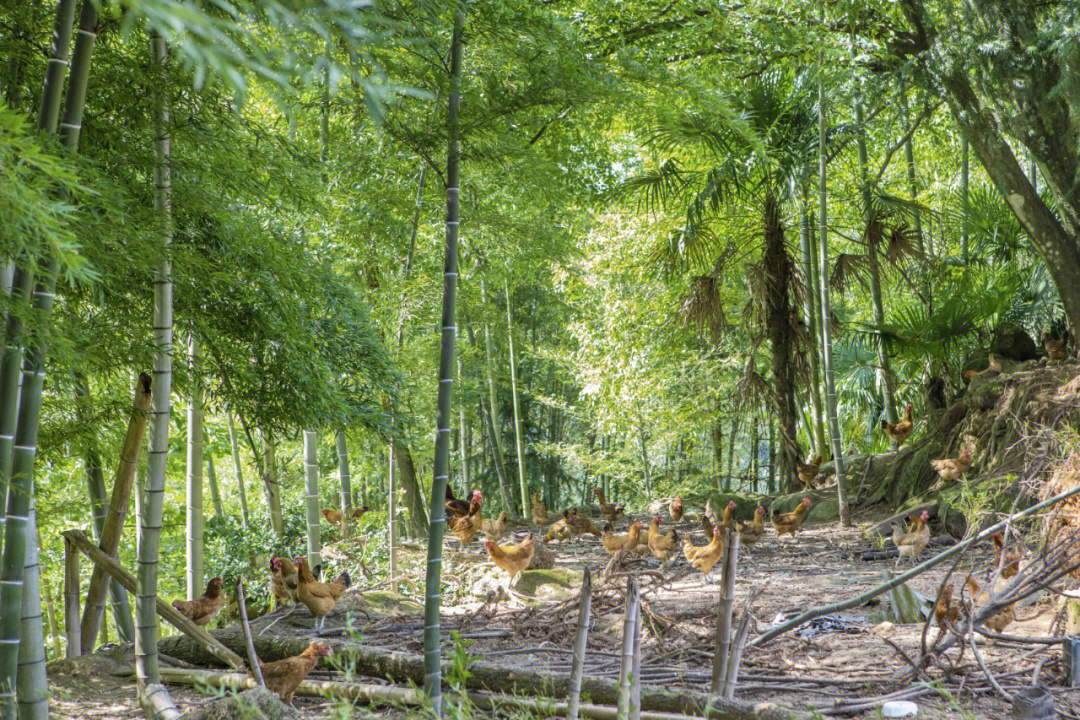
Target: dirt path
column 857, row 656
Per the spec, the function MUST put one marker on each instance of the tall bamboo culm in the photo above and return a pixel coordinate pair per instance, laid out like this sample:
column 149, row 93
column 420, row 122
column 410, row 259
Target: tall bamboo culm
column 239, row 472
column 149, row 541
column 194, row 489
column 311, row 497
column 826, row 330
column 211, row 478
column 433, row 580
column 344, row 481
column 31, row 684
column 517, row 413
column 17, row 467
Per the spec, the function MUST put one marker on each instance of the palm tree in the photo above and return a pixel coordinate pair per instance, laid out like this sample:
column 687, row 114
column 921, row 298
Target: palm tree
column 754, row 150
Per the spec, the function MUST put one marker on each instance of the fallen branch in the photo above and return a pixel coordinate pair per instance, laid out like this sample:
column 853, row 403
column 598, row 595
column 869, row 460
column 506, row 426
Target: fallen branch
column 249, row 644
column 904, row 577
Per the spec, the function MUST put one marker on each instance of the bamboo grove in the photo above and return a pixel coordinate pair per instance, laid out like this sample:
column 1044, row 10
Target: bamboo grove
column 326, row 255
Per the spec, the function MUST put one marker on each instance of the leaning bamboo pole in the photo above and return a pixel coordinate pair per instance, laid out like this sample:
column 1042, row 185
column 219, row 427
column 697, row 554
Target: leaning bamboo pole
column 194, row 518
column 174, row 617
column 118, row 507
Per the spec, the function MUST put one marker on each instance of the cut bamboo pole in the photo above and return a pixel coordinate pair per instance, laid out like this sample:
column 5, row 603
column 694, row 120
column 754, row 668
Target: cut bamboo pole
column 635, row 675
column 157, row 704
column 253, row 659
column 731, row 672
column 393, row 695
column 723, row 611
column 627, row 663
column 71, row 599
column 118, row 507
column 580, row 643
column 167, row 612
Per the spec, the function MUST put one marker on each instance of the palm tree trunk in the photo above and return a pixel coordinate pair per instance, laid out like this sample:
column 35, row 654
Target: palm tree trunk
column 872, row 236
column 194, row 490
column 433, row 580
column 964, row 154
column 778, row 271
column 817, row 425
column 239, row 472
column 311, row 497
column 913, row 184
column 772, row 458
column 826, row 330
column 211, row 479
column 517, row 412
column 344, row 482
column 149, row 539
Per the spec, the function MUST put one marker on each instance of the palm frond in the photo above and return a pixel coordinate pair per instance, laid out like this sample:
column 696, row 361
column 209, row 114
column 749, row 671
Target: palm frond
column 848, row 268
column 703, row 307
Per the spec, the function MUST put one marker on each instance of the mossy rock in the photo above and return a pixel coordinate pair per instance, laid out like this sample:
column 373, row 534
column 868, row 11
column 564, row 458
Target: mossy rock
column 1012, row 341
column 824, row 506
column 745, row 505
column 552, row 584
column 384, row 602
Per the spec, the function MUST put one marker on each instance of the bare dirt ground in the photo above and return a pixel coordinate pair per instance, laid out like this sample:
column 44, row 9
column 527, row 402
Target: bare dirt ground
column 825, row 664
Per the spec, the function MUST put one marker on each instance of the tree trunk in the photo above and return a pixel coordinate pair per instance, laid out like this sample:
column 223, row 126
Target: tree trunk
column 149, row 540
column 913, row 184
column 196, row 581
column 731, row 452
column 772, row 458
column 408, row 485
column 344, row 482
column 239, row 473
column 964, row 154
column 311, row 497
column 517, row 413
column 826, row 330
column 433, row 579
column 271, row 488
column 755, row 444
column 211, row 480
column 778, row 272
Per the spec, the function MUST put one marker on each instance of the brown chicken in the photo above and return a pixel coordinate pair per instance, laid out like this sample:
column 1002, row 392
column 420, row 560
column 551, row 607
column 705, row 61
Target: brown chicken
column 1056, row 349
column 945, row 610
column 632, row 540
column 912, row 541
column 283, row 676
column 612, row 513
column 320, row 598
column 457, row 508
column 788, row 523
column 675, row 507
column 359, row 512
column 202, row 609
column 999, row 620
column 560, row 529
column 729, row 516
column 539, row 510
column 706, row 525
column 512, row 559
column 495, row 529
column 704, row 558
column 993, row 368
column 332, row 516
column 282, row 581
column 465, row 528
column 949, row 469
column 662, row 546
column 579, row 524
column 751, row 532
column 1011, row 567
column 808, row 472
column 899, row 432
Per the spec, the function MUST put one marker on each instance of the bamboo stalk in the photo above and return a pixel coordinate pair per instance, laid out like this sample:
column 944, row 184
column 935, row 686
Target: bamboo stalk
column 393, row 695
column 239, row 472
column 71, row 599
column 170, row 614
column 195, row 576
column 32, row 685
column 731, row 672
column 54, row 625
column 157, row 703
column 118, row 507
column 580, row 644
column 344, row 482
column 724, row 608
column 514, row 395
column 311, row 497
column 253, row 659
column 626, row 664
column 211, row 480
column 437, row 526
column 635, row 674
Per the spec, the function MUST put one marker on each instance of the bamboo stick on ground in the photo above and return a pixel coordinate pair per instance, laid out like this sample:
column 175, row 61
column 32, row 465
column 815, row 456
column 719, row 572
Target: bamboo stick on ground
column 253, row 659
column 580, row 643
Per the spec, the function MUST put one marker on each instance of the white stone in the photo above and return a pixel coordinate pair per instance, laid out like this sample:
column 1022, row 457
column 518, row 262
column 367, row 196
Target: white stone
column 899, row 709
